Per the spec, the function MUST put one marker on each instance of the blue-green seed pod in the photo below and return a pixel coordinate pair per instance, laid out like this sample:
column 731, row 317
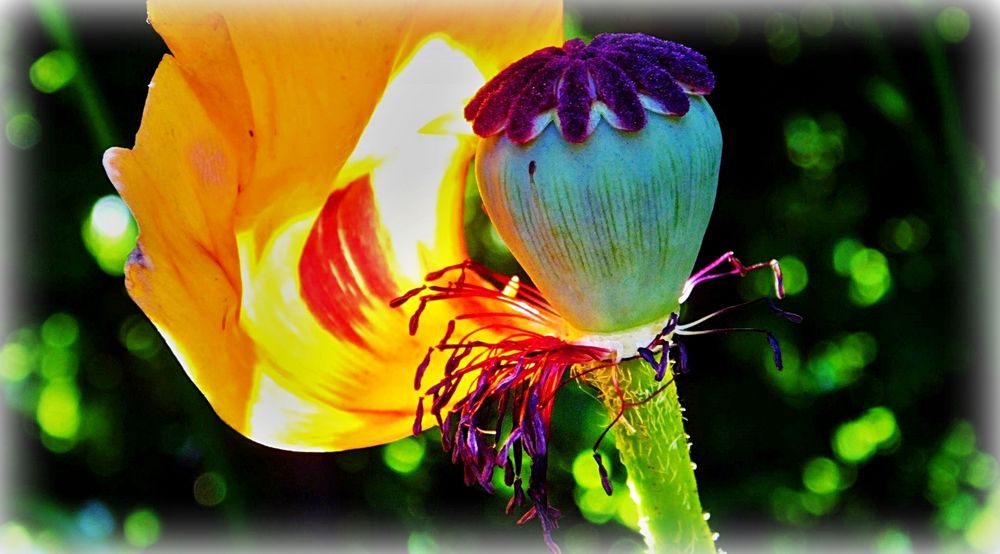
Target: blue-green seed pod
column 598, row 167
column 608, row 229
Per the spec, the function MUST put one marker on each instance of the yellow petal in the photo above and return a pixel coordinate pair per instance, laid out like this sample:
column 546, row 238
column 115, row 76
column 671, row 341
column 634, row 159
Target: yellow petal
column 331, row 342
column 262, row 116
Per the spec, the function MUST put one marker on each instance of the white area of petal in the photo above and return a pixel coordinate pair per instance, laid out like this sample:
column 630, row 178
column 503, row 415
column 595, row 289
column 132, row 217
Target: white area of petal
column 410, row 144
column 272, row 409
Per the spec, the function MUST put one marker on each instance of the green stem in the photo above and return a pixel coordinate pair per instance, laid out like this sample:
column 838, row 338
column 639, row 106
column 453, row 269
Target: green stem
column 55, row 21
column 654, row 449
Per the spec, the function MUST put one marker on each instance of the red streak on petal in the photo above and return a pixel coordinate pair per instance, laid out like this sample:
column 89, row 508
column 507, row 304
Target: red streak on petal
column 343, row 266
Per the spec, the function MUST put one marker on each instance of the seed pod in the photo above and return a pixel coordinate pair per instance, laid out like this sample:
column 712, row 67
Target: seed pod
column 606, row 208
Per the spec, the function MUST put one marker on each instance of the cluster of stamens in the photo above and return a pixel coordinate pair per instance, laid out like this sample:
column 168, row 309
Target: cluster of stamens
column 511, row 377
column 494, row 401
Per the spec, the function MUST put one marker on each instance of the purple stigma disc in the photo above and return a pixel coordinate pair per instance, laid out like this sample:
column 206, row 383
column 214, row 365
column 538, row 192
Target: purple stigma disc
column 617, row 76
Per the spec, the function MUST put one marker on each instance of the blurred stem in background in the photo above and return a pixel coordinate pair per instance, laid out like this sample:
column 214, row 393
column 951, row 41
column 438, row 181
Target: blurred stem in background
column 955, row 137
column 55, row 21
column 943, row 171
column 69, row 67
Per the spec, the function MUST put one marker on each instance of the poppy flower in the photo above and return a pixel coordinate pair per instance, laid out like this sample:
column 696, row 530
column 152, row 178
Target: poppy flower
column 298, row 181
column 297, row 168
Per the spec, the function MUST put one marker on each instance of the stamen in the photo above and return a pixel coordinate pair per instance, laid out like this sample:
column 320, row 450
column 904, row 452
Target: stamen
column 738, row 269
column 776, row 350
column 518, row 499
column 605, row 481
column 508, row 473
column 794, row 318
column 415, row 318
column 526, row 299
column 519, row 365
column 772, row 341
column 665, row 332
column 418, row 421
column 511, row 346
column 658, row 366
column 510, row 291
column 661, row 369
column 435, row 275
column 397, row 302
column 421, row 368
column 716, row 313
column 682, row 357
column 779, row 282
column 449, row 330
column 647, row 356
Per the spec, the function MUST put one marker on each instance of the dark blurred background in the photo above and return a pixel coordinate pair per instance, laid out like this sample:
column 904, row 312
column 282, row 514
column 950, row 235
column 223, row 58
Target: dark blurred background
column 857, row 152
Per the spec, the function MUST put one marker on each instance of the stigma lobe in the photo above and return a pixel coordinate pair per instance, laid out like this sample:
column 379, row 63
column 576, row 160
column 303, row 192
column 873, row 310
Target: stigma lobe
column 617, row 76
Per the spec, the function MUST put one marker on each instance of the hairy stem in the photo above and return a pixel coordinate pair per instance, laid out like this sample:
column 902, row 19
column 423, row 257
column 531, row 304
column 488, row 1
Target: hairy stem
column 654, row 449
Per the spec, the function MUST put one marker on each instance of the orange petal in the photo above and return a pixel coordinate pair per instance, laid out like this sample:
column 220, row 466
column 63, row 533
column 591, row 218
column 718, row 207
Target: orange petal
column 331, row 341
column 338, row 363
column 266, row 116
column 311, row 76
column 180, row 182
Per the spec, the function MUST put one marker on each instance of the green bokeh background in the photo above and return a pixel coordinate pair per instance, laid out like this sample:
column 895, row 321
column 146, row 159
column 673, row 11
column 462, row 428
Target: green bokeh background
column 855, row 152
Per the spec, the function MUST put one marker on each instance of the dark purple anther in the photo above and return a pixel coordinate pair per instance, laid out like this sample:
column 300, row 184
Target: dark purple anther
column 605, row 481
column 535, row 428
column 517, row 499
column 682, row 357
column 518, row 449
column 138, row 258
column 418, row 422
column 618, row 76
column 397, row 302
column 421, row 369
column 648, row 356
column 447, row 335
column 670, row 326
column 515, row 379
column 415, row 318
column 661, row 368
column 776, row 350
column 446, row 434
column 793, row 317
column 546, row 514
column 486, row 475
